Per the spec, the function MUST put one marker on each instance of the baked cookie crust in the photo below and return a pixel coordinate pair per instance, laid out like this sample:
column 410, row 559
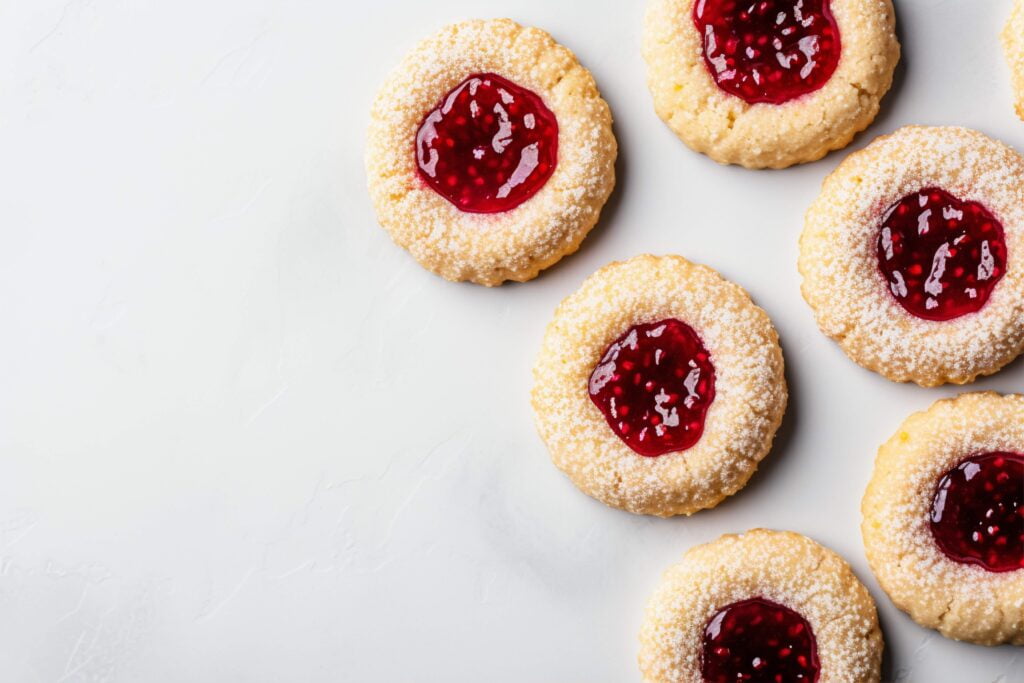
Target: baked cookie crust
column 740, row 424
column 961, row 601
column 731, row 131
column 513, row 245
column 841, row 277
column 1013, row 46
column 781, row 566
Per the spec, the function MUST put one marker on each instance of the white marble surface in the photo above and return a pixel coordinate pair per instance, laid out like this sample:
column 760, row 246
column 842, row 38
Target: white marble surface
column 243, row 437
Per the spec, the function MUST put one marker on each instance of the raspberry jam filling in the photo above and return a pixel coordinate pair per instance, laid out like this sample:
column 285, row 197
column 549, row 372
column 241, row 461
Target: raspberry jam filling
column 654, row 385
column 758, row 641
column 941, row 257
column 977, row 513
column 489, row 146
column 768, row 50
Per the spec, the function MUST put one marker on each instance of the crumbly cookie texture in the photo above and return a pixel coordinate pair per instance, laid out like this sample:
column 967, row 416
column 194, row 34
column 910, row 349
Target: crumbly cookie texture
column 961, row 601
column 780, row 566
column 517, row 244
column 741, row 422
column 729, row 130
column 841, row 277
column 1013, row 45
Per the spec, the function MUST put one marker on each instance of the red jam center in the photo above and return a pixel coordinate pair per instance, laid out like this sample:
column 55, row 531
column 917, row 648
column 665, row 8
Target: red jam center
column 758, row 641
column 768, row 50
column 654, row 385
column 940, row 256
column 978, row 512
column 489, row 146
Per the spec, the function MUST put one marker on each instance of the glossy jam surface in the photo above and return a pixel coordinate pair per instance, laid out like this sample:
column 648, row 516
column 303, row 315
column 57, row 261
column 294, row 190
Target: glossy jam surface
column 940, row 256
column 489, row 146
column 654, row 385
column 769, row 50
column 758, row 641
column 977, row 513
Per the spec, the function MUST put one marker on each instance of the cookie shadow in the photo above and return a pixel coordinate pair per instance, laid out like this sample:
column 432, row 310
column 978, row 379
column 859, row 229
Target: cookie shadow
column 785, row 437
column 888, row 661
column 899, row 79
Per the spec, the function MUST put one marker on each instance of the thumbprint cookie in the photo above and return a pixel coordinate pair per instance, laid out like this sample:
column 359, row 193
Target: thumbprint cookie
column 659, row 386
column 944, row 518
column 1013, row 45
column 761, row 607
column 490, row 152
column 913, row 255
column 769, row 83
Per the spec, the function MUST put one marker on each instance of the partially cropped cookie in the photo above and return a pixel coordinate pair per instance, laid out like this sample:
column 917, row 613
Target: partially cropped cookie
column 913, row 255
column 769, row 83
column 761, row 606
column 1013, row 45
column 659, row 386
column 944, row 518
column 490, row 152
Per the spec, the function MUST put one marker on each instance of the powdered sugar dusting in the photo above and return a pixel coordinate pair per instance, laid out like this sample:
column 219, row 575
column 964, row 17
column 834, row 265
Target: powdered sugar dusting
column 741, row 422
column 963, row 601
column 516, row 244
column 841, row 277
column 782, row 567
column 728, row 129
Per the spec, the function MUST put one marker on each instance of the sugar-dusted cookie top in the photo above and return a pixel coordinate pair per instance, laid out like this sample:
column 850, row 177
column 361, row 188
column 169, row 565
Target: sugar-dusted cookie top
column 943, row 525
column 490, row 152
column 659, row 386
column 770, row 83
column 760, row 606
column 913, row 255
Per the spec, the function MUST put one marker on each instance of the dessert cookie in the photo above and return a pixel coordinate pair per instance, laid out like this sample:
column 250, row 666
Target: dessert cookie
column 913, row 255
column 761, row 607
column 944, row 518
column 659, row 386
column 1013, row 45
column 769, row 83
column 490, row 152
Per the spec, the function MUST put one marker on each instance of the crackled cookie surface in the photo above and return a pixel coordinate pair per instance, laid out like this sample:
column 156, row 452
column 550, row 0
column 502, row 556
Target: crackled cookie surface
column 761, row 607
column 659, row 386
column 769, row 83
column 913, row 255
column 944, row 518
column 490, row 152
column 1013, row 45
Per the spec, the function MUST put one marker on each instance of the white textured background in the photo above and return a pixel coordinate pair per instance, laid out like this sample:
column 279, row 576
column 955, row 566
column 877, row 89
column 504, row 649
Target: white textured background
column 243, row 437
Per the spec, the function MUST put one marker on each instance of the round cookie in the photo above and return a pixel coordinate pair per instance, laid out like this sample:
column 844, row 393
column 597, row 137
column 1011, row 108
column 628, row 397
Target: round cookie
column 779, row 86
column 942, row 524
column 490, row 152
column 912, row 256
column 1013, row 46
column 659, row 386
column 760, row 606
